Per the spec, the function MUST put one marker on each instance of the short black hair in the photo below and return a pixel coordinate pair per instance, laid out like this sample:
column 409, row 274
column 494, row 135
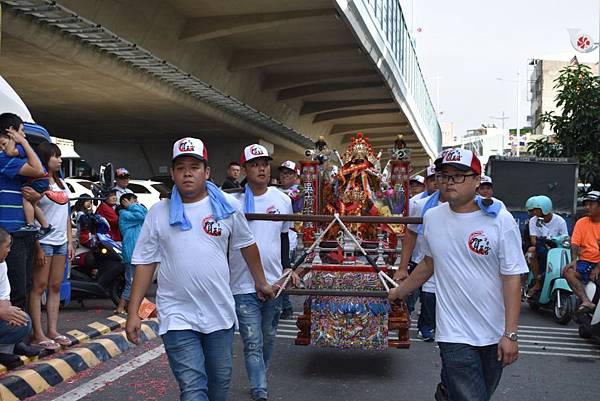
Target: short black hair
column 234, row 164
column 9, row 120
column 4, row 235
column 127, row 196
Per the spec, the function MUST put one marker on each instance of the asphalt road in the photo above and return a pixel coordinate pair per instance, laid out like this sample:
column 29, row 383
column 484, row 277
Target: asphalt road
column 555, row 364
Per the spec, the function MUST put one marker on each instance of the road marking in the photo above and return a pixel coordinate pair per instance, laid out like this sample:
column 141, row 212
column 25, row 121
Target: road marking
column 109, row 377
column 534, row 340
column 560, row 354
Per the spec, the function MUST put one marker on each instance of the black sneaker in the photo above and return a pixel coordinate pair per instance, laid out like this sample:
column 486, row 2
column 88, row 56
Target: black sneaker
column 286, row 315
column 441, row 393
column 44, row 232
column 27, row 350
column 11, row 361
column 28, row 228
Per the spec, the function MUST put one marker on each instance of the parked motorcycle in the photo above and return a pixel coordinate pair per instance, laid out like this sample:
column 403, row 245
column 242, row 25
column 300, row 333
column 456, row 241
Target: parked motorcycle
column 100, row 272
column 556, row 294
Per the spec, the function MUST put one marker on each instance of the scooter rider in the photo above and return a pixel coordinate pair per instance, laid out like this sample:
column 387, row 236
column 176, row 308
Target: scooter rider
column 585, row 251
column 543, row 224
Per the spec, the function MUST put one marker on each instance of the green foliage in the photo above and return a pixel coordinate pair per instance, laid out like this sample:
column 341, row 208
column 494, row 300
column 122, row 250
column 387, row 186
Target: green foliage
column 577, row 128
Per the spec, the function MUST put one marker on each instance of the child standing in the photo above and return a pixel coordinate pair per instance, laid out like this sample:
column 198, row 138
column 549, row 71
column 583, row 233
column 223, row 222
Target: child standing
column 131, row 219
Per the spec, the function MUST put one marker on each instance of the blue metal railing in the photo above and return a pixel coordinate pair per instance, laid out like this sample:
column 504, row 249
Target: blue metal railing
column 388, row 14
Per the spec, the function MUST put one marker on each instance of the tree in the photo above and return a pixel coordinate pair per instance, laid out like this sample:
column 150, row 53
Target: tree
column 577, row 127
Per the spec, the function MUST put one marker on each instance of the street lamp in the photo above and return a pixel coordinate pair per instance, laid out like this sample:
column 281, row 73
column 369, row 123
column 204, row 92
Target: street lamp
column 518, row 82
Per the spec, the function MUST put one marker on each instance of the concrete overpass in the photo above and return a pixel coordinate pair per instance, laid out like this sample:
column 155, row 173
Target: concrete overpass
column 125, row 78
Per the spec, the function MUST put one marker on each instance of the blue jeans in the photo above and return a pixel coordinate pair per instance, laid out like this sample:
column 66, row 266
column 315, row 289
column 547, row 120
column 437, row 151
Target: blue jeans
column 258, row 326
column 427, row 315
column 11, row 335
column 129, row 271
column 470, row 373
column 201, row 363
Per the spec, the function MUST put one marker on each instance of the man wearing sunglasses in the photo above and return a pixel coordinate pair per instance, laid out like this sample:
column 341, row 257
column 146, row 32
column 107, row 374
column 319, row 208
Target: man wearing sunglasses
column 474, row 251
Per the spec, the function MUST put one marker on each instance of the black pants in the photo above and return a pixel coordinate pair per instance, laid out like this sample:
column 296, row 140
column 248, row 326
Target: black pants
column 19, row 263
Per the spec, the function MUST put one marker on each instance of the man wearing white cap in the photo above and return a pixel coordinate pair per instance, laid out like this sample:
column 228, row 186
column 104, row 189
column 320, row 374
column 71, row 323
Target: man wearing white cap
column 486, row 189
column 289, row 178
column 416, row 184
column 258, row 319
column 190, row 235
column 122, row 178
column 474, row 251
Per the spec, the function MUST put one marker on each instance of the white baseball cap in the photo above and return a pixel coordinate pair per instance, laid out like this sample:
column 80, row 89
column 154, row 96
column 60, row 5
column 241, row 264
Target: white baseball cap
column 486, row 179
column 418, row 178
column 430, row 171
column 462, row 159
column 254, row 151
column 289, row 165
column 193, row 147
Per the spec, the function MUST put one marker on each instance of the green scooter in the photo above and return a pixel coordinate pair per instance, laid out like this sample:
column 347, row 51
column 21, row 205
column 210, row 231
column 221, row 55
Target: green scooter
column 556, row 294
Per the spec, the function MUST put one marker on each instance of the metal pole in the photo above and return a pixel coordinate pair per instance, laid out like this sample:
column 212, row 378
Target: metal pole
column 518, row 112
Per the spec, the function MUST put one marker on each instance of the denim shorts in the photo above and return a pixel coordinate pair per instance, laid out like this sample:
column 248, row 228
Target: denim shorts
column 52, row 250
column 585, row 269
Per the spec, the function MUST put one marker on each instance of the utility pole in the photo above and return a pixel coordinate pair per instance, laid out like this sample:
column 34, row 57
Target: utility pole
column 502, row 119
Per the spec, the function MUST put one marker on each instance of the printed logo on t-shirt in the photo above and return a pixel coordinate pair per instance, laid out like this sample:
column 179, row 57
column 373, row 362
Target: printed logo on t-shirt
column 273, row 210
column 211, row 226
column 479, row 243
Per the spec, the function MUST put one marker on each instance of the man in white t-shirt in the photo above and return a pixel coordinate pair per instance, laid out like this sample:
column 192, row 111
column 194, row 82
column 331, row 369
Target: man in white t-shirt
column 258, row 319
column 409, row 242
column 15, row 324
column 289, row 178
column 476, row 252
column 190, row 236
column 544, row 224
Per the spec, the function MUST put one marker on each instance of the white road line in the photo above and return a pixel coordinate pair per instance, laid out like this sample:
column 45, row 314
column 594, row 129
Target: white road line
column 560, row 354
column 575, row 339
column 549, row 328
column 592, row 346
column 559, row 348
column 108, row 377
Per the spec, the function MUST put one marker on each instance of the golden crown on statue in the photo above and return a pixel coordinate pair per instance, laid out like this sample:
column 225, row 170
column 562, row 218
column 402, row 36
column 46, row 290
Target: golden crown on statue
column 359, row 149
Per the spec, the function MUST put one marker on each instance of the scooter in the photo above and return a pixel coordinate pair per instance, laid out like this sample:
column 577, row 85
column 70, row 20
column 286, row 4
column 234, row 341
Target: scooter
column 556, row 292
column 589, row 323
column 100, row 272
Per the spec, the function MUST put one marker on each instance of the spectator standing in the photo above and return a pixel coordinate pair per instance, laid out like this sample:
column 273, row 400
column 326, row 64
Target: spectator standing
column 232, row 180
column 57, row 246
column 23, row 250
column 131, row 219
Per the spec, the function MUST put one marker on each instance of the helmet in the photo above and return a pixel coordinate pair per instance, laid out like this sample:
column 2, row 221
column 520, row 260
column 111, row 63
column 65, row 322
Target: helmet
column 530, row 202
column 540, row 202
column 592, row 196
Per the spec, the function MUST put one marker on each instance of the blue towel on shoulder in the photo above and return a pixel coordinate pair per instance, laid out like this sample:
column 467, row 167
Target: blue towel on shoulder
column 248, row 199
column 491, row 210
column 219, row 205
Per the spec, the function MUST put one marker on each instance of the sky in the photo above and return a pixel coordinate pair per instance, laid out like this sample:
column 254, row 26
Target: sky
column 465, row 45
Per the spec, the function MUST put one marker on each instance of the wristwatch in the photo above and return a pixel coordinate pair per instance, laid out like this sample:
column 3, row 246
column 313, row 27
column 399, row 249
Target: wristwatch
column 511, row 336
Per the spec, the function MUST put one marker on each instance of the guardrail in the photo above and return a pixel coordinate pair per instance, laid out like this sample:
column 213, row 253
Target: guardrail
column 389, row 19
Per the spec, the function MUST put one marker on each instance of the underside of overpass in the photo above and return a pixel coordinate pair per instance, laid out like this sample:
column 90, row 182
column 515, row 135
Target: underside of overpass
column 145, row 72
